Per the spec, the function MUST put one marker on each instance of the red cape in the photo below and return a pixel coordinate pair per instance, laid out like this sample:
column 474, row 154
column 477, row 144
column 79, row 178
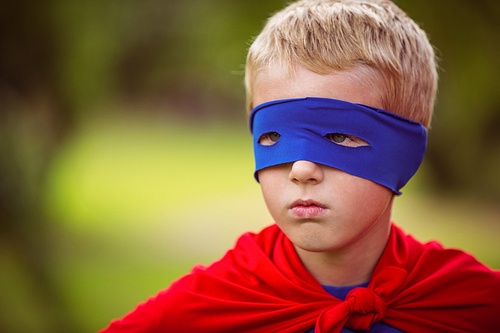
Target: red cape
column 261, row 286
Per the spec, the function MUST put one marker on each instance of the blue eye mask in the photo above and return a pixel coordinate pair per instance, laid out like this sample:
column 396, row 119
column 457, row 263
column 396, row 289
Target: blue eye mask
column 301, row 129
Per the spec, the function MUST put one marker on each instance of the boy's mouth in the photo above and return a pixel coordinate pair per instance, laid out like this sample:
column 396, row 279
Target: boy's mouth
column 306, row 209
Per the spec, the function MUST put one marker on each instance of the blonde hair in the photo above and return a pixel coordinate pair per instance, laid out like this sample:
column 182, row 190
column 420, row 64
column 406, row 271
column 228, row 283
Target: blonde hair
column 325, row 36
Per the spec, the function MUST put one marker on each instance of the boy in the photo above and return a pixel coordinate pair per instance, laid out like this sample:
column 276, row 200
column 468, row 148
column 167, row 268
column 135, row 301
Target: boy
column 342, row 92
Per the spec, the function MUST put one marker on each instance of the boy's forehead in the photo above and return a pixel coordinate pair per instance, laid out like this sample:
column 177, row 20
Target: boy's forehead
column 357, row 85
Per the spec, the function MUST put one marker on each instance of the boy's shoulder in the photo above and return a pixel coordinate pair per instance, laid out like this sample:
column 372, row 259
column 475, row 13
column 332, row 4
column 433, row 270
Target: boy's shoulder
column 431, row 267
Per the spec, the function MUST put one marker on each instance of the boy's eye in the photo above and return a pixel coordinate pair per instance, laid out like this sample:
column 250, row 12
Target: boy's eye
column 269, row 138
column 337, row 137
column 346, row 140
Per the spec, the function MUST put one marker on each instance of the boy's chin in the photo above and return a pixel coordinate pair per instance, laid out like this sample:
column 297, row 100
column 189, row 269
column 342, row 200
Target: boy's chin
column 312, row 237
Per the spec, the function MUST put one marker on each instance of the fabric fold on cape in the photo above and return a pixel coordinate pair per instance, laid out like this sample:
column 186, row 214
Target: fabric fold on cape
column 261, row 286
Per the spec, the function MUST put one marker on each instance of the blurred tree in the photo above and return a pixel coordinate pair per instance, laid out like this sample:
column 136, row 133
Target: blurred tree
column 34, row 118
column 464, row 148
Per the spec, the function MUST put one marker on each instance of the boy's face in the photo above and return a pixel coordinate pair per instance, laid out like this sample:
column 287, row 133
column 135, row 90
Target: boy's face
column 318, row 207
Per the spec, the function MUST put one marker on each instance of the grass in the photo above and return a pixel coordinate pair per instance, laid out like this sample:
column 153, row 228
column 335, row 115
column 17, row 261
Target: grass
column 128, row 170
column 138, row 202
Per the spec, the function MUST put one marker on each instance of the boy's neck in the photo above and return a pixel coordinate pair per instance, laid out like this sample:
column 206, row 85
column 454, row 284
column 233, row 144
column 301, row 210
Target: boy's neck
column 353, row 264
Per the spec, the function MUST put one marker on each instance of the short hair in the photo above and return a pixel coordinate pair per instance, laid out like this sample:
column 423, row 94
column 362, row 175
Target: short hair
column 325, row 36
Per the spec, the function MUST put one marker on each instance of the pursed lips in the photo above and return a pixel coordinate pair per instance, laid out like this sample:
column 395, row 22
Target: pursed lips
column 307, row 209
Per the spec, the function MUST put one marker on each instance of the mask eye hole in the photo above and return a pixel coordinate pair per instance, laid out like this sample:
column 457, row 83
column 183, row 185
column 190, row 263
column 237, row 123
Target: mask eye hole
column 346, row 140
column 269, row 138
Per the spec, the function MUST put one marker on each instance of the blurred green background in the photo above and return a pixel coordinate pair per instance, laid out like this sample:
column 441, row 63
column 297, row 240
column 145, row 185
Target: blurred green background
column 125, row 157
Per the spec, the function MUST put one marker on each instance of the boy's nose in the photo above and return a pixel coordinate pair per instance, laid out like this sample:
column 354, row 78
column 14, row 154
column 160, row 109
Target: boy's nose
column 306, row 172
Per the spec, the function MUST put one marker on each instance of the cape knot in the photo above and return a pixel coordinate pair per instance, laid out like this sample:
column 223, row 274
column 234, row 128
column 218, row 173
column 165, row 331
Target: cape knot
column 366, row 308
